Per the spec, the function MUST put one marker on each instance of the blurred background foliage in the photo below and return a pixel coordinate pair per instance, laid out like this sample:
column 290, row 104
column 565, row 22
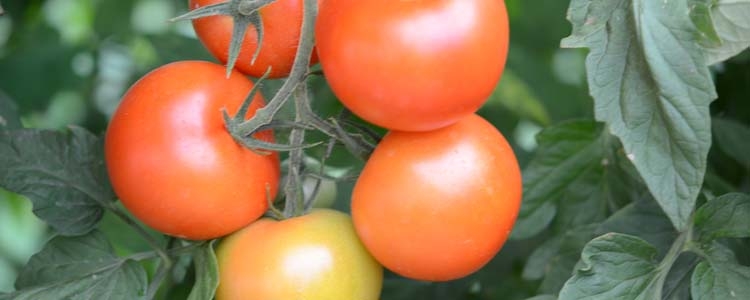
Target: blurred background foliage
column 66, row 62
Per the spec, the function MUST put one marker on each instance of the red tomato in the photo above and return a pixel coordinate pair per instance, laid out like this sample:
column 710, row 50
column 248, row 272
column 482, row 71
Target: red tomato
column 412, row 65
column 172, row 162
column 282, row 21
column 313, row 257
column 438, row 205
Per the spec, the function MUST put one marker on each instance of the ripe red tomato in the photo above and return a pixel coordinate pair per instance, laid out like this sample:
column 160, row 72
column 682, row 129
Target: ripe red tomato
column 172, row 162
column 412, row 65
column 438, row 205
column 282, row 21
column 313, row 257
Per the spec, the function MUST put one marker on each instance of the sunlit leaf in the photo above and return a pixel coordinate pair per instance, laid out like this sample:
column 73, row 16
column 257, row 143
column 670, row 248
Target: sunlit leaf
column 652, row 87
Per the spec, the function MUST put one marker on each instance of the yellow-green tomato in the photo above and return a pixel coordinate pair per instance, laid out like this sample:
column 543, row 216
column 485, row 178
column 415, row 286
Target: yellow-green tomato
column 317, row 256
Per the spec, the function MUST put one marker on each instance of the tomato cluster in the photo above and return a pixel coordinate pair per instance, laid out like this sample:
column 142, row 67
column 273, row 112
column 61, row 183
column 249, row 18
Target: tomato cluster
column 435, row 201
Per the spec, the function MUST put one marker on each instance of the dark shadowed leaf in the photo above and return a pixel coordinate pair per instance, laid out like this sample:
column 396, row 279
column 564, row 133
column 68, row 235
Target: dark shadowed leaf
column 9, row 118
column 571, row 177
column 82, row 267
column 543, row 297
column 565, row 153
column 652, row 87
column 727, row 216
column 733, row 138
column 62, row 173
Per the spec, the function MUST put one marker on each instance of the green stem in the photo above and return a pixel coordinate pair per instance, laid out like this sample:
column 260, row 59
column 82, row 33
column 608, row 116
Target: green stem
column 265, row 115
column 161, row 273
column 678, row 246
column 294, row 200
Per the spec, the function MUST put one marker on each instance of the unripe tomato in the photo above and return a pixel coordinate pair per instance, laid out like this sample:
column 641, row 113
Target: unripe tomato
column 312, row 257
column 412, row 65
column 282, row 20
column 438, row 205
column 173, row 163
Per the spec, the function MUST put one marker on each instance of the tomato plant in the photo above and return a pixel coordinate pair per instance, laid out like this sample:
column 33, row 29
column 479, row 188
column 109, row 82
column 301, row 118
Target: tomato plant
column 412, row 65
column 281, row 21
column 312, row 257
column 172, row 162
column 634, row 151
column 438, row 205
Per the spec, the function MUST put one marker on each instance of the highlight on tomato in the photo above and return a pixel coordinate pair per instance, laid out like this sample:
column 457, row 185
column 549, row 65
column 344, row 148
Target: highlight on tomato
column 317, row 256
column 438, row 205
column 172, row 162
column 412, row 65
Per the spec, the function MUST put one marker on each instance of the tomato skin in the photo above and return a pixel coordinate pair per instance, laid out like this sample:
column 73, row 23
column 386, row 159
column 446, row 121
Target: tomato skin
column 438, row 205
column 412, row 65
column 171, row 160
column 282, row 21
column 312, row 257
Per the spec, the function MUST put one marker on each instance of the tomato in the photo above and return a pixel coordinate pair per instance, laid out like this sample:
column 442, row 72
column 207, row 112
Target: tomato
column 282, row 21
column 172, row 162
column 412, row 65
column 438, row 205
column 313, row 257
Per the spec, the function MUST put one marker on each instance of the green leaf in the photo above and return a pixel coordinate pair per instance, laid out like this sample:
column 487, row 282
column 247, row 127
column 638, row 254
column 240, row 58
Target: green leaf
column 700, row 14
column 652, row 87
column 733, row 138
column 515, row 95
column 559, row 267
column 570, row 177
column 206, row 272
column 82, row 267
column 727, row 216
column 555, row 259
column 9, row 118
column 616, row 266
column 732, row 24
column 62, row 173
column 645, row 220
column 677, row 284
column 720, row 276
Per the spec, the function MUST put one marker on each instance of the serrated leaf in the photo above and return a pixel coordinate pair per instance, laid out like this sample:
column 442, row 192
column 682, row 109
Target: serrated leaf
column 9, row 118
column 82, row 267
column 720, row 276
column 731, row 20
column 616, row 266
column 206, row 272
column 515, row 95
column 727, row 216
column 733, row 138
column 651, row 85
column 62, row 173
column 569, row 177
